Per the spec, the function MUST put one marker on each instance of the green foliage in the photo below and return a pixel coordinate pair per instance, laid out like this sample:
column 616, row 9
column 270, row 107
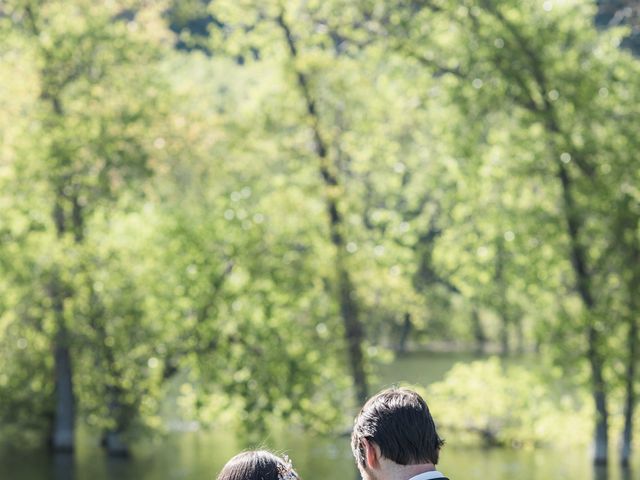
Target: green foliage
column 173, row 200
column 495, row 404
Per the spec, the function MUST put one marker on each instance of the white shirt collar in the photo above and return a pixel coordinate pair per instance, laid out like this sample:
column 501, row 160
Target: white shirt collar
column 428, row 476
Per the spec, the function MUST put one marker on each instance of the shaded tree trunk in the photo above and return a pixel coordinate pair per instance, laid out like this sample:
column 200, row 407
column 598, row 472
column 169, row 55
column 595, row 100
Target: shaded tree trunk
column 627, row 232
column 601, row 440
column 630, row 393
column 62, row 467
column 62, row 436
column 502, row 302
column 583, row 285
column 353, row 329
column 113, row 440
column 63, row 423
column 115, row 445
column 63, row 426
column 354, row 333
column 600, row 472
column 478, row 331
column 407, row 326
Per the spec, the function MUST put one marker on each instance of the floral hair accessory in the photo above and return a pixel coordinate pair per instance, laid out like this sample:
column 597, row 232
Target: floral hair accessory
column 286, row 471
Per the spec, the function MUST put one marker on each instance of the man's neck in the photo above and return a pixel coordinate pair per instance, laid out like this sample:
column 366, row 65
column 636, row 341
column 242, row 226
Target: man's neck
column 406, row 472
column 414, row 470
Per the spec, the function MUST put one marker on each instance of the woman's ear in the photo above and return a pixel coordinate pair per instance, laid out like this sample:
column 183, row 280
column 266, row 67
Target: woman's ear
column 372, row 454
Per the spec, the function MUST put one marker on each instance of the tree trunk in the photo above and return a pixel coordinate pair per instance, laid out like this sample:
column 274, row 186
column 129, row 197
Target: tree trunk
column 115, row 445
column 627, row 233
column 63, row 467
column 601, row 440
column 63, row 426
column 600, row 472
column 478, row 331
column 62, row 437
column 630, row 393
column 407, row 326
column 113, row 440
column 354, row 331
column 63, row 423
column 502, row 302
column 583, row 286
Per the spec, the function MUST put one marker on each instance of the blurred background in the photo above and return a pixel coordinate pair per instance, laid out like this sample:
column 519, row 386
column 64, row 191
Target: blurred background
column 225, row 223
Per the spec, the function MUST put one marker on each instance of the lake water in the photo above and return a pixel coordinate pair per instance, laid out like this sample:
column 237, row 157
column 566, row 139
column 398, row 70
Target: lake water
column 200, row 455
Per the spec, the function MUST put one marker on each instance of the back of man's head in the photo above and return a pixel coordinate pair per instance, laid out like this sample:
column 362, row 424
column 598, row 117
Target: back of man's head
column 398, row 421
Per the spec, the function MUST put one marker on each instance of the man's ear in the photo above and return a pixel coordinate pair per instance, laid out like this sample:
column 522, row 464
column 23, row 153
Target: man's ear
column 371, row 454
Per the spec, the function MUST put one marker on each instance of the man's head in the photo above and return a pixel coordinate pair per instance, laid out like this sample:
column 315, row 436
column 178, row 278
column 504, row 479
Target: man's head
column 394, row 430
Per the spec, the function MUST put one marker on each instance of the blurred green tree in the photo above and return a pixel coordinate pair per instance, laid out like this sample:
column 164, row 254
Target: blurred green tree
column 96, row 98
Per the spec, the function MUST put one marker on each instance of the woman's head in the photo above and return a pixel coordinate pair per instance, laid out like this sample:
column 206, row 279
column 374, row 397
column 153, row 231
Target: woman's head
column 258, row 465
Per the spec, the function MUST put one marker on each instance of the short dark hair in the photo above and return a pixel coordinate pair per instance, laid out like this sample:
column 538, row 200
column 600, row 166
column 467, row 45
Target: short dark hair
column 399, row 422
column 257, row 465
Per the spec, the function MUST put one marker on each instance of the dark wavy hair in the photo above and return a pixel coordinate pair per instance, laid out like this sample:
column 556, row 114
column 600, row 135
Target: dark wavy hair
column 399, row 422
column 257, row 465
